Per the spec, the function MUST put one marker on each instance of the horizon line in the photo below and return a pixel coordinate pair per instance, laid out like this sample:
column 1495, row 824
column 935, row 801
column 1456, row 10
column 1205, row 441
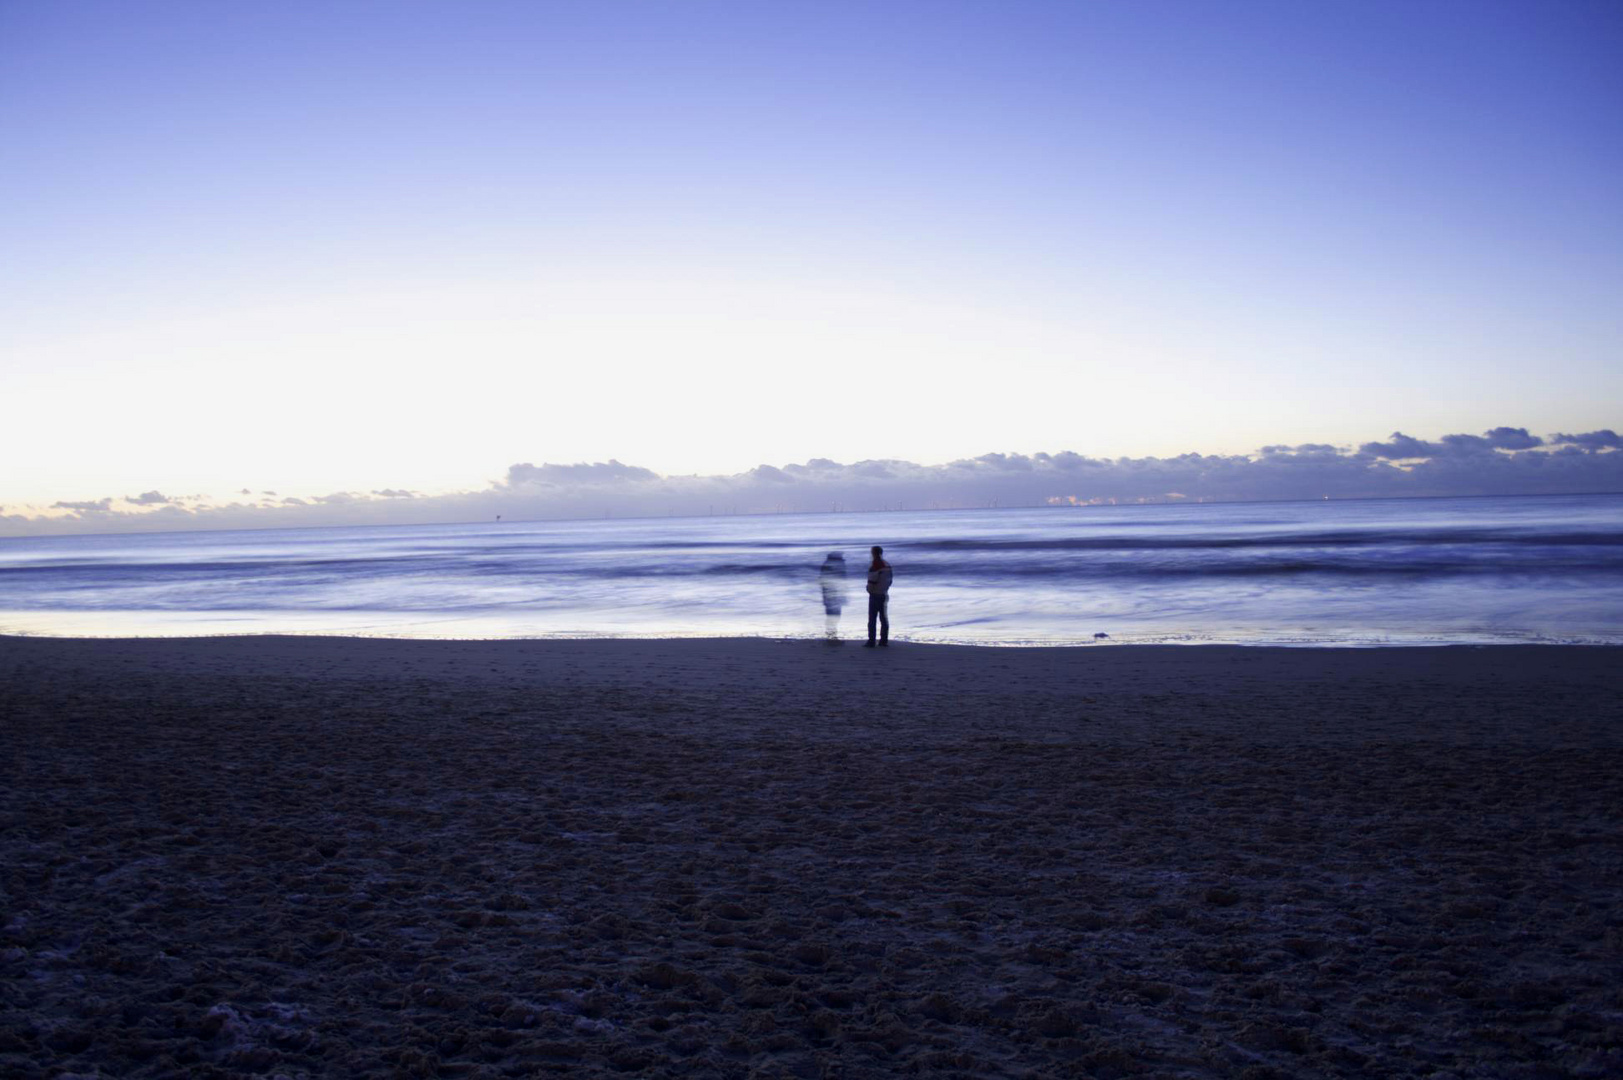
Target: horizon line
column 825, row 513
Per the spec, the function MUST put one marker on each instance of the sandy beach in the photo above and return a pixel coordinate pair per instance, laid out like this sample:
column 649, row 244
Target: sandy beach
column 303, row 857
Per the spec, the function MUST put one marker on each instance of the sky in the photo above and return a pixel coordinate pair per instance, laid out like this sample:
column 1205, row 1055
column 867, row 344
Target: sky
column 345, row 248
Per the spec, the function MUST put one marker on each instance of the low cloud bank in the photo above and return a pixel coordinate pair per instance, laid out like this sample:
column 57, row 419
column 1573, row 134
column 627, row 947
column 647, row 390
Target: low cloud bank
column 148, row 498
column 1502, row 461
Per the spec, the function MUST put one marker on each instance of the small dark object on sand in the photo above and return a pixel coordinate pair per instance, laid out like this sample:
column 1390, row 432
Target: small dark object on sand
column 1100, row 634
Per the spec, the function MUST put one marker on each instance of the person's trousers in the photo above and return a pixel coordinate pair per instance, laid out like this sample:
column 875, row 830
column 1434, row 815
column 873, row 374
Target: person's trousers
column 877, row 610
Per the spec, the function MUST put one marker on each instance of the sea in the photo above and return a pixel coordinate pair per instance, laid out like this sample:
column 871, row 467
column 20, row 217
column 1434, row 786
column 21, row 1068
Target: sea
column 1327, row 573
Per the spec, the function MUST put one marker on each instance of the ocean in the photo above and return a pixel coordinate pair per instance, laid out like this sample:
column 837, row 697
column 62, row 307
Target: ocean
column 1389, row 571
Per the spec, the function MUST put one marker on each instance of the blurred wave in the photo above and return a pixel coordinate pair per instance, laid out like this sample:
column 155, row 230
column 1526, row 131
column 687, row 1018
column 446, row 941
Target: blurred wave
column 1524, row 568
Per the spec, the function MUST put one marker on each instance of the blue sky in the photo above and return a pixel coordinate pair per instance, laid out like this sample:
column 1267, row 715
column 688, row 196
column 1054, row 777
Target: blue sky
column 328, row 246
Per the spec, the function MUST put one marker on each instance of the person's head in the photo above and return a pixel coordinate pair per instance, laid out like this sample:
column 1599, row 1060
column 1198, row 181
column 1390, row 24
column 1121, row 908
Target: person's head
column 835, row 556
column 878, row 554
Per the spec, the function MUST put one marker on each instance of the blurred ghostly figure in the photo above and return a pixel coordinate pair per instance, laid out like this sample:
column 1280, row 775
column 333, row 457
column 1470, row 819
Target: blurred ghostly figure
column 832, row 578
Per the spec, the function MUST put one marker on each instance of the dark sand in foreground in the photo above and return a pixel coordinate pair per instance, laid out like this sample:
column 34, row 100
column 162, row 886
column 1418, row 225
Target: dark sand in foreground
column 318, row 856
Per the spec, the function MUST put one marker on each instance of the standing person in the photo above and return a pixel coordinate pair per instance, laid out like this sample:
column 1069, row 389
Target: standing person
column 879, row 575
column 832, row 578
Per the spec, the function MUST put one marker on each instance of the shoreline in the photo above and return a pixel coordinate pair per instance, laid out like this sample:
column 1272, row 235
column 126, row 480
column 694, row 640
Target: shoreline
column 812, row 643
column 1165, row 641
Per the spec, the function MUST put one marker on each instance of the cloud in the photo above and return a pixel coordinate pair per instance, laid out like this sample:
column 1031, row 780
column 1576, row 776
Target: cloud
column 1400, row 447
column 89, row 506
column 1500, row 461
column 1512, row 438
column 1005, row 462
column 147, row 498
column 873, row 470
column 1304, row 449
column 770, row 475
column 817, row 464
column 597, row 473
column 1604, row 439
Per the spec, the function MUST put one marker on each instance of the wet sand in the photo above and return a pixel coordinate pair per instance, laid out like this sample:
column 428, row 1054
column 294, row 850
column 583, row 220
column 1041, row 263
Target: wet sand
column 326, row 856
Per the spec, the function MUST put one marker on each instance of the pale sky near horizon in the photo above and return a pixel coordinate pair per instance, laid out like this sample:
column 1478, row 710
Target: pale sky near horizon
column 342, row 246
